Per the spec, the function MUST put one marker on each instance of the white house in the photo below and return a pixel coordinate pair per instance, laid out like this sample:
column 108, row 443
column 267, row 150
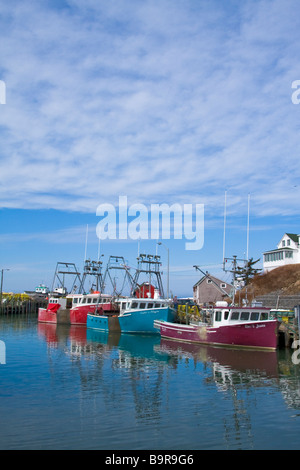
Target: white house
column 287, row 252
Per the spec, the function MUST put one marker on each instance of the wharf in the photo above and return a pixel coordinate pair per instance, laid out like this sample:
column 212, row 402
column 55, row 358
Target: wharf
column 287, row 334
column 29, row 306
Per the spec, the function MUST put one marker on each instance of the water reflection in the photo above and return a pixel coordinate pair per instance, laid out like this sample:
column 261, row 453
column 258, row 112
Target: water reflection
column 227, row 365
column 138, row 371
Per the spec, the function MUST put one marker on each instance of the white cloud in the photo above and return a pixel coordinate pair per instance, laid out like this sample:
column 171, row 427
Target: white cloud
column 167, row 101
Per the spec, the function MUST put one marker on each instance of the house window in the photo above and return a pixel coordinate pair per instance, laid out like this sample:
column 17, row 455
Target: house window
column 223, row 285
column 288, row 242
column 209, row 281
column 283, row 242
column 274, row 256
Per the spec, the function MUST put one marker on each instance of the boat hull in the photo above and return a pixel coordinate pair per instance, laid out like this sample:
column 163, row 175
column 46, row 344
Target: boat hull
column 62, row 316
column 103, row 323
column 47, row 316
column 258, row 335
column 138, row 321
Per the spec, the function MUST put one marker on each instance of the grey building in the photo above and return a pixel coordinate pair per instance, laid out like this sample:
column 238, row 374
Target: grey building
column 210, row 289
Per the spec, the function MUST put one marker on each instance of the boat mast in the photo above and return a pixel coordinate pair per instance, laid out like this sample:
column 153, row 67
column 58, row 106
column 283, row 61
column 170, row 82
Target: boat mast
column 69, row 269
column 225, row 202
column 149, row 264
column 117, row 263
column 92, row 268
column 247, row 255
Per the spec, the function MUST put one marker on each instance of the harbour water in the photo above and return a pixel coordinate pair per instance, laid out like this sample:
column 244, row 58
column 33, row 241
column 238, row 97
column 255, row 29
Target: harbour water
column 74, row 388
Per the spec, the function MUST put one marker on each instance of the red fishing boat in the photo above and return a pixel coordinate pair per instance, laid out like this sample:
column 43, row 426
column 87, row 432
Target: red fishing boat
column 55, row 308
column 73, row 308
column 93, row 304
column 227, row 326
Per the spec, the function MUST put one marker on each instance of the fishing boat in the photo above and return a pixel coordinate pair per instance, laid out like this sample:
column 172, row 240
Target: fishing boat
column 73, row 308
column 227, row 326
column 58, row 309
column 94, row 303
column 137, row 313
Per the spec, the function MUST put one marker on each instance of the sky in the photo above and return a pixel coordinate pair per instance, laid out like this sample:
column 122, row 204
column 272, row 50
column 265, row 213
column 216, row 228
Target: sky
column 186, row 102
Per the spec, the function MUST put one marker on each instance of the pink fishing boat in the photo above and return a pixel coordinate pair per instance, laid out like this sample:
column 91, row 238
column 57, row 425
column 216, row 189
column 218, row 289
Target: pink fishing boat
column 227, row 326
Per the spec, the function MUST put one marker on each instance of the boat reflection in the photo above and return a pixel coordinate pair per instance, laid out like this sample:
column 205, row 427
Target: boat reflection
column 225, row 367
column 239, row 360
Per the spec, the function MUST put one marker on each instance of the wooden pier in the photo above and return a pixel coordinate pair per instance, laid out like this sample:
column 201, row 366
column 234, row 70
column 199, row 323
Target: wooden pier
column 19, row 308
column 287, row 334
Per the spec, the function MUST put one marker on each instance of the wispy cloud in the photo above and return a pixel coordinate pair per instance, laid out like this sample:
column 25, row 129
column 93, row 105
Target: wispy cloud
column 168, row 101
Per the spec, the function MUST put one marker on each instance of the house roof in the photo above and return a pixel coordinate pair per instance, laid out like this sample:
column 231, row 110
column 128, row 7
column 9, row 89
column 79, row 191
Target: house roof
column 285, row 248
column 293, row 236
column 208, row 276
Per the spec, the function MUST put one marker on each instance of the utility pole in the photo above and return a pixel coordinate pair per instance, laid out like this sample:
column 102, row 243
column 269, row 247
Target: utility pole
column 1, row 287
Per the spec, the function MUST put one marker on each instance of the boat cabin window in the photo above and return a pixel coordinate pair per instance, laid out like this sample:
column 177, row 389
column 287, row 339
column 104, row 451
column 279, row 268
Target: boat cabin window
column 245, row 316
column 264, row 316
column 142, row 305
column 235, row 315
column 89, row 300
column 83, row 300
column 123, row 305
column 218, row 315
column 150, row 305
column 75, row 300
column 254, row 316
column 94, row 300
column 134, row 305
column 226, row 314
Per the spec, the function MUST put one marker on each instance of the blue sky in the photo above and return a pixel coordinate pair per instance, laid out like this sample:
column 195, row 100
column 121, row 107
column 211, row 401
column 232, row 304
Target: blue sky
column 164, row 102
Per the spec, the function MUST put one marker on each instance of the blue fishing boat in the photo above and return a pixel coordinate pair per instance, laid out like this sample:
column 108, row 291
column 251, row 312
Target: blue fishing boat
column 137, row 313
column 135, row 316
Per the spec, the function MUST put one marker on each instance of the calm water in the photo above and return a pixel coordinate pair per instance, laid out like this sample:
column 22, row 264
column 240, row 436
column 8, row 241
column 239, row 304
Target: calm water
column 73, row 388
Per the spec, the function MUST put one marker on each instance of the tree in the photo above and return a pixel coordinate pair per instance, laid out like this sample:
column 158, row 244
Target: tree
column 248, row 271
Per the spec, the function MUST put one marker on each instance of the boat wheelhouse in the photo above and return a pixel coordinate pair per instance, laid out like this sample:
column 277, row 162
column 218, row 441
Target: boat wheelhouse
column 42, row 289
column 91, row 303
